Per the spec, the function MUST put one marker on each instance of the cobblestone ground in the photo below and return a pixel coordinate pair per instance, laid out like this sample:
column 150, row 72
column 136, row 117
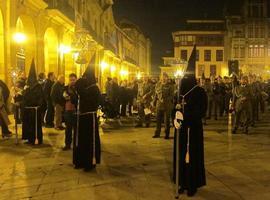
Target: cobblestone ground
column 137, row 167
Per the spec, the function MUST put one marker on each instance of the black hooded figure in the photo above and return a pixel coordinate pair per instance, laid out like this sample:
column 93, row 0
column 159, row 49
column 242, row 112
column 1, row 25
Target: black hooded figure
column 32, row 105
column 193, row 102
column 86, row 147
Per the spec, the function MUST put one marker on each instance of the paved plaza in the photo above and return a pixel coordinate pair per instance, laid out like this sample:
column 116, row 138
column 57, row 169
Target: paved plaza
column 137, row 167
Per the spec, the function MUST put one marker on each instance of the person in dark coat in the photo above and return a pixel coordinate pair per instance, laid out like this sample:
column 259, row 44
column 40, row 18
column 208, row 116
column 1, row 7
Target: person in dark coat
column 49, row 114
column 58, row 101
column 191, row 153
column 32, row 105
column 86, row 149
column 123, row 97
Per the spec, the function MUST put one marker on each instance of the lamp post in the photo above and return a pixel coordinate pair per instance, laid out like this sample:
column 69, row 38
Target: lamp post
column 63, row 50
column 19, row 39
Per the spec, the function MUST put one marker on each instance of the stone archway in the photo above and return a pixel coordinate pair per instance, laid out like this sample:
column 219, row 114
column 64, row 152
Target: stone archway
column 51, row 51
column 2, row 52
column 25, row 51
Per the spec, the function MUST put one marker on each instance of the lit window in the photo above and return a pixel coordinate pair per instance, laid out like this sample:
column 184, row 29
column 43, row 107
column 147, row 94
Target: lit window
column 207, row 55
column 219, row 55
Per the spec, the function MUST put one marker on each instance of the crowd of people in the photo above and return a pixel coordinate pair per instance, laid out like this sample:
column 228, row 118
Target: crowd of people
column 46, row 101
column 245, row 97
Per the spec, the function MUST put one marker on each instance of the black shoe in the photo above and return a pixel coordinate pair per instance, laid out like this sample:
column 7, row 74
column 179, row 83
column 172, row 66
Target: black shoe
column 66, row 148
column 78, row 167
column 234, row 131
column 156, row 136
column 6, row 135
column 191, row 194
column 181, row 191
column 88, row 169
column 166, row 137
column 147, row 125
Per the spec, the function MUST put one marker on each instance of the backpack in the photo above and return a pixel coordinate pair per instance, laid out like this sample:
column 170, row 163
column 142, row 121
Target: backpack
column 5, row 90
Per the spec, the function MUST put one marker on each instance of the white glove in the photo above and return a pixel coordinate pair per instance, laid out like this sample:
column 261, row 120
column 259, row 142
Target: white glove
column 177, row 124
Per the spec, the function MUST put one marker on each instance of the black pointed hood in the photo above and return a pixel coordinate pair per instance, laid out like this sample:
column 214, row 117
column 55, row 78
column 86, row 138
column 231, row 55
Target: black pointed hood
column 32, row 76
column 89, row 73
column 189, row 79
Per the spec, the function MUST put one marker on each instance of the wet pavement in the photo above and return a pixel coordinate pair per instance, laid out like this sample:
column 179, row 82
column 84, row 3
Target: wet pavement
column 137, row 167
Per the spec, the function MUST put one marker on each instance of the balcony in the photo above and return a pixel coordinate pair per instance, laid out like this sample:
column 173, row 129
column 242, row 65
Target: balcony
column 92, row 32
column 131, row 60
column 108, row 44
column 63, row 6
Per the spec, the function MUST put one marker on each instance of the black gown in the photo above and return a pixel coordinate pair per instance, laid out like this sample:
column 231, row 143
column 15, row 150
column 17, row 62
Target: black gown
column 32, row 97
column 84, row 148
column 192, row 175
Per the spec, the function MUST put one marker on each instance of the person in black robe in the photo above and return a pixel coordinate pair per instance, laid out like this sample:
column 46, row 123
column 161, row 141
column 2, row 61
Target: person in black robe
column 32, row 108
column 193, row 105
column 86, row 147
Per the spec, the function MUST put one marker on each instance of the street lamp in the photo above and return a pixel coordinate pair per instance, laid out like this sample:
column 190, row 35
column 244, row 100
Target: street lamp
column 103, row 65
column 63, row 49
column 19, row 38
column 139, row 75
column 178, row 73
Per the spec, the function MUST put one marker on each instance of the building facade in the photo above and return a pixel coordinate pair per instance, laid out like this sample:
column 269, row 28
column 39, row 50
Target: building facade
column 242, row 36
column 249, row 37
column 62, row 36
column 208, row 35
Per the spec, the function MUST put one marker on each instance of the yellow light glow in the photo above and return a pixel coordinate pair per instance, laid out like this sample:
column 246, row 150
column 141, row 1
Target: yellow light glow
column 64, row 49
column 113, row 68
column 19, row 38
column 179, row 73
column 139, row 75
column 104, row 65
column 75, row 56
column 123, row 72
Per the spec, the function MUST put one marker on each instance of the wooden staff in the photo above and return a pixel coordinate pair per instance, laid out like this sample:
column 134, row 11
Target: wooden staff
column 78, row 122
column 177, row 148
column 187, row 153
column 94, row 139
column 16, row 125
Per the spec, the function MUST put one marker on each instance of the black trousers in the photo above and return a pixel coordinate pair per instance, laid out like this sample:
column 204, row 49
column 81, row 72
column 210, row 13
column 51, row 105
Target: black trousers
column 163, row 115
column 70, row 121
column 4, row 127
column 49, row 115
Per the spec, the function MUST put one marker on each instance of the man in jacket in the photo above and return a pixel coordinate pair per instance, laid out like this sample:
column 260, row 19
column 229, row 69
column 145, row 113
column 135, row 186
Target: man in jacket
column 58, row 101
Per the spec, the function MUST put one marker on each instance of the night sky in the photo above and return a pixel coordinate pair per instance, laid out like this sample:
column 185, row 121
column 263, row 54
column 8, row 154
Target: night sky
column 159, row 18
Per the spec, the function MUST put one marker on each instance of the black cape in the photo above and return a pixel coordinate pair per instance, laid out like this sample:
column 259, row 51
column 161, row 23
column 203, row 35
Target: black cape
column 32, row 97
column 192, row 175
column 83, row 150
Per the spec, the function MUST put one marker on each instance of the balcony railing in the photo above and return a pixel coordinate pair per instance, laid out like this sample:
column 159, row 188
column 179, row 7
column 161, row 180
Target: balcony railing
column 131, row 60
column 63, row 6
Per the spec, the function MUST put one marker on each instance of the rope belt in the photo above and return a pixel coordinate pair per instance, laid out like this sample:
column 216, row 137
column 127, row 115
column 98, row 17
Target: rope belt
column 86, row 113
column 32, row 107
